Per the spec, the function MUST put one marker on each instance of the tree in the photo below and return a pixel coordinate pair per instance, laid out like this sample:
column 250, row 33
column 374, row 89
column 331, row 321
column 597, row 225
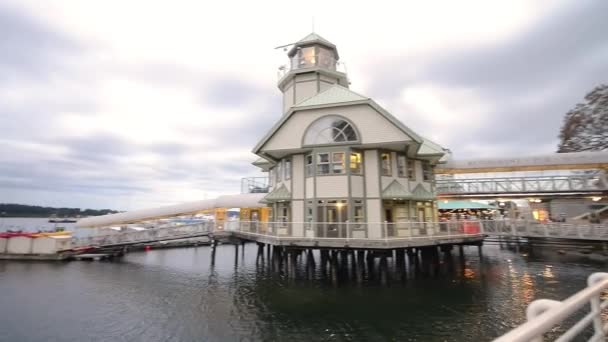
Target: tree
column 585, row 127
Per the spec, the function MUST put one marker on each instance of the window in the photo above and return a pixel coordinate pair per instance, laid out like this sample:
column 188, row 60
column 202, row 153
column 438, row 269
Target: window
column 309, row 166
column 278, row 172
column 385, row 158
column 273, row 176
column 355, row 163
column 309, row 215
column 309, row 211
column 330, row 130
column 359, row 213
column 427, row 171
column 330, row 163
column 283, row 212
column 401, row 166
column 337, row 164
column 325, row 58
column 323, row 163
column 287, row 169
column 411, row 170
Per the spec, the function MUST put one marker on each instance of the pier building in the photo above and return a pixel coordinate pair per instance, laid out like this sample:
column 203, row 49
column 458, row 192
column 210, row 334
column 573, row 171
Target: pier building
column 337, row 156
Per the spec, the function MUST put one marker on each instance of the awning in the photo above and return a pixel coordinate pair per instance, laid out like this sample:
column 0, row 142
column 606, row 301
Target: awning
column 396, row 190
column 227, row 201
column 421, row 194
column 279, row 194
column 453, row 205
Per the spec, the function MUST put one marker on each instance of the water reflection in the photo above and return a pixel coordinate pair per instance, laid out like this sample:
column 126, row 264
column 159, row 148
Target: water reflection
column 237, row 293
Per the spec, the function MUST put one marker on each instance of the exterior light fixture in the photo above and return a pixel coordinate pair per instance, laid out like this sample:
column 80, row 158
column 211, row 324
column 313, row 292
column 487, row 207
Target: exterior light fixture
column 596, row 198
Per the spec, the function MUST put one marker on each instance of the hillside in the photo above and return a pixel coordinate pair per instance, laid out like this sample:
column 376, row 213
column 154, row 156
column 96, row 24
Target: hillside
column 22, row 210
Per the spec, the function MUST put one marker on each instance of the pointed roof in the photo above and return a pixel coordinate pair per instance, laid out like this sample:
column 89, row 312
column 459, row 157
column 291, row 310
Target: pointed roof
column 396, row 190
column 279, row 194
column 431, row 148
column 263, row 163
column 312, row 38
column 420, row 193
column 333, row 94
column 347, row 97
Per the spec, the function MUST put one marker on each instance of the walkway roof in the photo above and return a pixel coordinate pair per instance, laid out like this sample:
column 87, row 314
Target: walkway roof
column 552, row 161
column 189, row 208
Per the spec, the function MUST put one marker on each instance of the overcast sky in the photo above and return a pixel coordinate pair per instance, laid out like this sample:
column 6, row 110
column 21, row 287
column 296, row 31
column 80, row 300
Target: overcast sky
column 133, row 104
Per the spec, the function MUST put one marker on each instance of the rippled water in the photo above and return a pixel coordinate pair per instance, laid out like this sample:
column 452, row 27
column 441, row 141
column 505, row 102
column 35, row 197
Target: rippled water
column 178, row 295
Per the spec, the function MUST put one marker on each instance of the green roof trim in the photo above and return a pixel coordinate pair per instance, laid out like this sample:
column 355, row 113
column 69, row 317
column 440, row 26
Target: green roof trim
column 420, row 193
column 453, row 205
column 396, row 190
column 333, row 94
column 279, row 194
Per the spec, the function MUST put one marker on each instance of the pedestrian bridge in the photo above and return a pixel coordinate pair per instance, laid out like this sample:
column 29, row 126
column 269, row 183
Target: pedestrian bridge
column 587, row 184
column 588, row 176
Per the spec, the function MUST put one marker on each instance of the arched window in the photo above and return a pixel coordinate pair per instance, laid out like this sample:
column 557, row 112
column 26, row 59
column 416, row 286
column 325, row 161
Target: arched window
column 330, row 129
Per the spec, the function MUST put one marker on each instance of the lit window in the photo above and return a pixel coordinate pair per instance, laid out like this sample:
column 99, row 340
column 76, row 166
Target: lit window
column 401, row 166
column 427, row 171
column 355, row 163
column 386, row 164
column 287, row 169
column 330, row 130
column 309, row 166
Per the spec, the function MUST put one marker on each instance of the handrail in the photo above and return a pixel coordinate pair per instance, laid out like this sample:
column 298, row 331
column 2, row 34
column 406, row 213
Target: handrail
column 543, row 314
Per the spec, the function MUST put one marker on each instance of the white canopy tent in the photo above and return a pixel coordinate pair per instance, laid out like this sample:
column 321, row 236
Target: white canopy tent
column 227, row 201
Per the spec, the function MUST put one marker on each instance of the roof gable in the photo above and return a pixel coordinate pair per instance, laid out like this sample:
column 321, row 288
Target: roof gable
column 337, row 96
column 420, row 193
column 396, row 190
column 279, row 194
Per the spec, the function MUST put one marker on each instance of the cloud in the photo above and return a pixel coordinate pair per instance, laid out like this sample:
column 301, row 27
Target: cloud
column 29, row 48
column 508, row 97
column 100, row 111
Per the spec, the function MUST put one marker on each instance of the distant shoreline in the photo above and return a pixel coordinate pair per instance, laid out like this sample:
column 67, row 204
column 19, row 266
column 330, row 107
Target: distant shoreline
column 32, row 211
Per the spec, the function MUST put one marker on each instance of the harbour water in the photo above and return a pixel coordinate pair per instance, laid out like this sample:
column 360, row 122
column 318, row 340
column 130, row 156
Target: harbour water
column 184, row 295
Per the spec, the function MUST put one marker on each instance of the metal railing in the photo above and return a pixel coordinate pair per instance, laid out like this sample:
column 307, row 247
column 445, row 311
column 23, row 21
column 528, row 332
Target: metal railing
column 408, row 230
column 251, row 185
column 571, row 183
column 108, row 237
column 356, row 230
column 543, row 315
column 554, row 230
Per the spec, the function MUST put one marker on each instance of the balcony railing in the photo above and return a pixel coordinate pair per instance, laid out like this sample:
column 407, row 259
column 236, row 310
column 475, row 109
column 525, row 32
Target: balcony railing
column 251, row 185
column 355, row 230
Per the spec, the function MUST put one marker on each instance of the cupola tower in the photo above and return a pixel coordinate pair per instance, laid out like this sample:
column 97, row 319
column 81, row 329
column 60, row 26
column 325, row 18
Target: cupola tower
column 313, row 67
